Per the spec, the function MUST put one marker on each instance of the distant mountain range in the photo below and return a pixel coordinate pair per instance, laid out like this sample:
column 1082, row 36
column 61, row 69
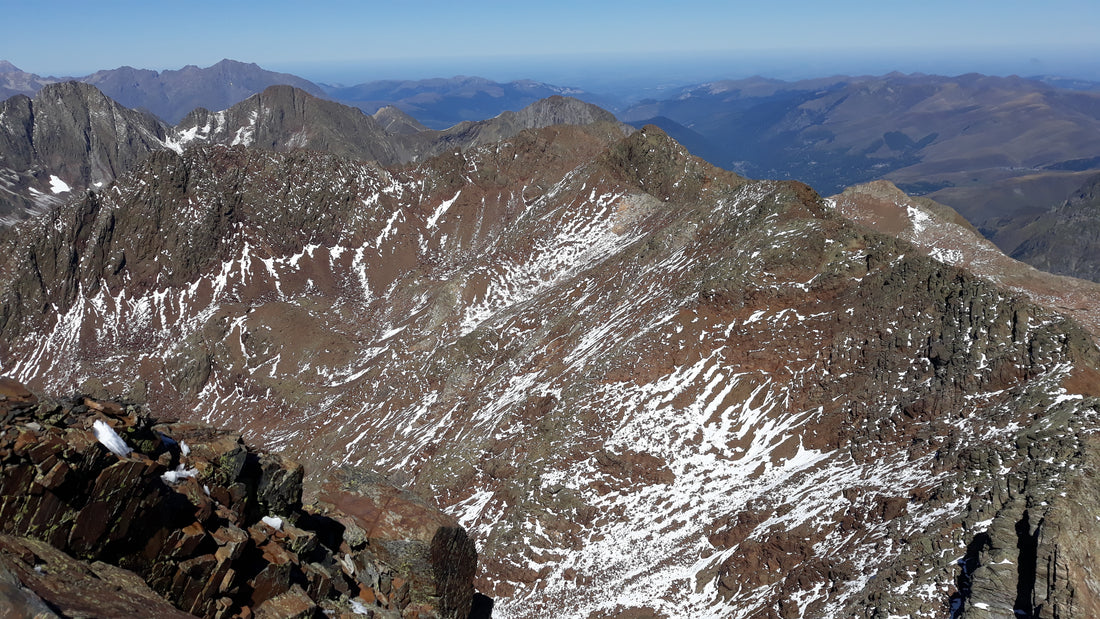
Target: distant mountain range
column 987, row 146
column 991, row 147
column 442, row 103
column 171, row 95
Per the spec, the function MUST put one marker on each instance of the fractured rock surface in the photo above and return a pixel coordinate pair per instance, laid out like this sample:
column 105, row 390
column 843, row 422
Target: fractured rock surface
column 194, row 518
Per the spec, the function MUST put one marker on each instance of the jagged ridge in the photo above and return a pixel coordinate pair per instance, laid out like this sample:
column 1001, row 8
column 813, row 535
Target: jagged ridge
column 622, row 369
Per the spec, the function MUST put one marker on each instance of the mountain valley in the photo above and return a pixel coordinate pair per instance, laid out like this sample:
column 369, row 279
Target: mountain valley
column 987, row 146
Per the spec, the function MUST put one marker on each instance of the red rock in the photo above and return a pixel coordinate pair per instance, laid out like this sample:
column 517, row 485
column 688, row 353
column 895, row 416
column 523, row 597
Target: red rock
column 231, row 541
column 111, row 408
column 91, row 523
column 180, row 542
column 26, row 439
column 319, row 581
column 276, row 554
column 13, row 389
column 75, row 588
column 55, row 476
column 272, row 580
column 294, row 604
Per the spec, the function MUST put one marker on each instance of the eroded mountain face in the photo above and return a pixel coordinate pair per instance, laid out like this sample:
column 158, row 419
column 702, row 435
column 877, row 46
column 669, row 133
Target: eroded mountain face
column 643, row 384
column 69, row 136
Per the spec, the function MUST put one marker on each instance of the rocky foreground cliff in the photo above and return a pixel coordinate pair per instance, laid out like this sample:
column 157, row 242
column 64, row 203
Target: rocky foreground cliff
column 646, row 386
column 108, row 512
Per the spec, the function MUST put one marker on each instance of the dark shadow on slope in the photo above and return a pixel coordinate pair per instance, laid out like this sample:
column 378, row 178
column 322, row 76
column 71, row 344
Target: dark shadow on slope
column 965, row 580
column 1028, row 543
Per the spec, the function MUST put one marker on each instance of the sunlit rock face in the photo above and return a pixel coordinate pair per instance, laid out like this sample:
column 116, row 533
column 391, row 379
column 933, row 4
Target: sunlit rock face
column 646, row 386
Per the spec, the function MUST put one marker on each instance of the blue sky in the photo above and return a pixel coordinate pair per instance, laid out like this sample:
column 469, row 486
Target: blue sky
column 355, row 41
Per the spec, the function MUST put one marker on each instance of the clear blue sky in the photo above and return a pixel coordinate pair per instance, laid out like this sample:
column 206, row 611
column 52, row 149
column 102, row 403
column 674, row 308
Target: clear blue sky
column 354, row 41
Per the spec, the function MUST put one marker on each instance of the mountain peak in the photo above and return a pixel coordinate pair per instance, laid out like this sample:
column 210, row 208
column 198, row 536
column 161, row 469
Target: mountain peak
column 7, row 67
column 229, row 62
column 560, row 110
column 393, row 120
column 81, row 89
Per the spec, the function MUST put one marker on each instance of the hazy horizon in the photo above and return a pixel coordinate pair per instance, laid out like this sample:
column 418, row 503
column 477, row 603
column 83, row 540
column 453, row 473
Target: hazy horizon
column 640, row 74
column 592, row 45
column 598, row 73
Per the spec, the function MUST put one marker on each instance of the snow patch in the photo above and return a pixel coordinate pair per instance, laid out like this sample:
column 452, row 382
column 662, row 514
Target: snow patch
column 110, row 439
column 181, row 473
column 441, row 210
column 58, row 186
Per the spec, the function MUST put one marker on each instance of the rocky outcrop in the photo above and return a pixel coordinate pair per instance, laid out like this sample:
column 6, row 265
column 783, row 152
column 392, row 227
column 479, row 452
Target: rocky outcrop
column 39, row 581
column 941, row 233
column 68, row 138
column 386, row 526
column 99, row 499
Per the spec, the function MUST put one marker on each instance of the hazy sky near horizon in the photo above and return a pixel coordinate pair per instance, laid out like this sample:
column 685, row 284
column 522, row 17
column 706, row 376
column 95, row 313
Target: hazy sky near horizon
column 348, row 41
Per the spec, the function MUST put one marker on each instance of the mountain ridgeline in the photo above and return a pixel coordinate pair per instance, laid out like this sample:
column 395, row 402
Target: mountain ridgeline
column 644, row 385
column 70, row 137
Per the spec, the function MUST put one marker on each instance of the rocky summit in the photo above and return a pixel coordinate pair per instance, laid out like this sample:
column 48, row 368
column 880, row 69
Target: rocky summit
column 646, row 386
column 108, row 512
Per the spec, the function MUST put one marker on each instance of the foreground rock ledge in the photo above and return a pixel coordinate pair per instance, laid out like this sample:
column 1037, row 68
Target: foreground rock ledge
column 187, row 514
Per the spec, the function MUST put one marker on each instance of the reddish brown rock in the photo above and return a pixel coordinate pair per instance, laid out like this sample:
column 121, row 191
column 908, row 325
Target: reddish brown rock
column 428, row 556
column 183, row 511
column 72, row 587
column 14, row 394
column 294, row 604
